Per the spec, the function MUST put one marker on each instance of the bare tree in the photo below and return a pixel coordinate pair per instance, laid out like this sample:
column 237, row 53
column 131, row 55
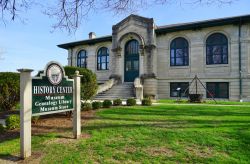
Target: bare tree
column 12, row 8
column 70, row 13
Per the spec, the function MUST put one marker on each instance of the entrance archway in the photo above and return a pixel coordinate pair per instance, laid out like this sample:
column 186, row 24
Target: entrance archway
column 131, row 61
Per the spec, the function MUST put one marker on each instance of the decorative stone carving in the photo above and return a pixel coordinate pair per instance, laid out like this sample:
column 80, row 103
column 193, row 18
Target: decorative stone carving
column 141, row 50
column 149, row 48
column 117, row 51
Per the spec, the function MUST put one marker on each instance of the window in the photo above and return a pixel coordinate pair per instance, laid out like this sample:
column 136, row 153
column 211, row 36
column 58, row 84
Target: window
column 218, row 89
column 82, row 59
column 179, row 52
column 132, row 55
column 182, row 85
column 132, row 47
column 103, row 59
column 217, row 49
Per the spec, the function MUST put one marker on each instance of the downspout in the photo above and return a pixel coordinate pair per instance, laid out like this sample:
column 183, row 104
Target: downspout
column 240, row 71
column 71, row 56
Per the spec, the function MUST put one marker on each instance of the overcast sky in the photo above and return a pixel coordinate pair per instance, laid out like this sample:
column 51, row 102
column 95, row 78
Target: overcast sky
column 32, row 44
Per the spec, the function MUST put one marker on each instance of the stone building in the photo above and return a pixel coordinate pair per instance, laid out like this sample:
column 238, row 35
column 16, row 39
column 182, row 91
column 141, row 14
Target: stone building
column 168, row 57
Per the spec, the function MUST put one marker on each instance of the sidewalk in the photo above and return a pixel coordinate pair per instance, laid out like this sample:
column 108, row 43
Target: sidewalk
column 2, row 121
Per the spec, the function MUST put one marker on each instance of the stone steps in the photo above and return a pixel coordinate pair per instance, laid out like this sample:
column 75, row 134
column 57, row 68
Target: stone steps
column 120, row 91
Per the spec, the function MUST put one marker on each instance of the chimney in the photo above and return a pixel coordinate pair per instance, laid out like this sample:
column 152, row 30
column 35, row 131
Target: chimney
column 92, row 35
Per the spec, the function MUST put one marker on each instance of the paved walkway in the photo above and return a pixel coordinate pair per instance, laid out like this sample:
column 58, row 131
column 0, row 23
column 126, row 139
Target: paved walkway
column 2, row 121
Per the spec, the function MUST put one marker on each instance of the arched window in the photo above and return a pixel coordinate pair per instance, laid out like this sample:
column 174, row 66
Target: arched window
column 132, row 47
column 103, row 59
column 217, row 49
column 82, row 59
column 179, row 52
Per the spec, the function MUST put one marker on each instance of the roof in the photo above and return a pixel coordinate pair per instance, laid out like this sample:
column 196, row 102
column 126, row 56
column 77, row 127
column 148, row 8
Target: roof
column 202, row 24
column 132, row 16
column 87, row 41
column 169, row 28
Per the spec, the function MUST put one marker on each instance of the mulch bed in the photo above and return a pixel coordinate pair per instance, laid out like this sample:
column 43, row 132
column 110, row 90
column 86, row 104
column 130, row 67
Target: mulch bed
column 55, row 123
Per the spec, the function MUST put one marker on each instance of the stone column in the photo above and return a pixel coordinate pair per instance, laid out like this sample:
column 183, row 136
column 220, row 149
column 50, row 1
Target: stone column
column 154, row 60
column 25, row 112
column 151, row 59
column 77, row 106
column 141, row 61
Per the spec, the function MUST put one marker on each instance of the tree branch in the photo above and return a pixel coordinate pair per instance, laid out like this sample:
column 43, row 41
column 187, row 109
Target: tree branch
column 70, row 13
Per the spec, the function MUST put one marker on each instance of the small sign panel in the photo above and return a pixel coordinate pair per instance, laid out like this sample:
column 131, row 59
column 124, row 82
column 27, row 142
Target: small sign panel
column 52, row 91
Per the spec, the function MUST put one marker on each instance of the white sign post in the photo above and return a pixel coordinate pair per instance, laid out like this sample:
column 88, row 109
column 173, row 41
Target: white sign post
column 53, row 89
column 25, row 112
column 77, row 105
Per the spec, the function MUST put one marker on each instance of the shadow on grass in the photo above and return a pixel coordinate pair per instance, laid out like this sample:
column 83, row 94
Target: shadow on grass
column 8, row 157
column 175, row 120
column 177, row 111
column 174, row 125
column 9, row 135
column 37, row 142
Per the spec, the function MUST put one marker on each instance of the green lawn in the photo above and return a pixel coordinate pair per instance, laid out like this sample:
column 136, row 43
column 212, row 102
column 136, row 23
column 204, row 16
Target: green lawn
column 218, row 102
column 159, row 134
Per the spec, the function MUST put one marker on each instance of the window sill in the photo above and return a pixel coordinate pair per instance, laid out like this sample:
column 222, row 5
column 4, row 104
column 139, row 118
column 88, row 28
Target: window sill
column 217, row 65
column 221, row 99
column 101, row 71
column 179, row 67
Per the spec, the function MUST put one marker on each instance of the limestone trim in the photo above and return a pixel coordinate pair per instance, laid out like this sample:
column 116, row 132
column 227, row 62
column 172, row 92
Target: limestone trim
column 107, row 85
column 138, row 88
column 129, row 36
column 216, row 31
column 178, row 36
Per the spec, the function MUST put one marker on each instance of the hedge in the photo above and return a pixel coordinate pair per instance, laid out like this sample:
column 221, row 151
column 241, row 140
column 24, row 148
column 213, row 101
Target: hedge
column 117, row 102
column 107, row 103
column 12, row 122
column 9, row 90
column 131, row 102
column 89, row 84
column 86, row 106
column 96, row 105
column 146, row 102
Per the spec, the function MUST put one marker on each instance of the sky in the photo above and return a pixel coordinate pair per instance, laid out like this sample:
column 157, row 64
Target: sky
column 33, row 44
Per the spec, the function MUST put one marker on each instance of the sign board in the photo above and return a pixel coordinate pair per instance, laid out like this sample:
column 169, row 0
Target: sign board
column 52, row 91
column 49, row 92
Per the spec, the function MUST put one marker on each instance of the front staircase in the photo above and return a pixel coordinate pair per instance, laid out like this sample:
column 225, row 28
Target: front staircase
column 118, row 91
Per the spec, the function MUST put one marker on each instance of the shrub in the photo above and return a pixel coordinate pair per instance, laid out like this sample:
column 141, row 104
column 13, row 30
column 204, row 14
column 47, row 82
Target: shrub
column 34, row 119
column 13, row 122
column 2, row 129
column 9, row 90
column 151, row 96
column 88, row 81
column 117, row 102
column 96, row 105
column 131, row 102
column 107, row 103
column 146, row 102
column 86, row 106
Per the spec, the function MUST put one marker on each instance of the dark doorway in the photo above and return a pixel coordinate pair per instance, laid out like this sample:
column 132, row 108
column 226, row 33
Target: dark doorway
column 131, row 61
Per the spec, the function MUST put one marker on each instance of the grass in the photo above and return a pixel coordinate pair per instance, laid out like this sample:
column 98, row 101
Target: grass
column 158, row 134
column 12, row 147
column 220, row 102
